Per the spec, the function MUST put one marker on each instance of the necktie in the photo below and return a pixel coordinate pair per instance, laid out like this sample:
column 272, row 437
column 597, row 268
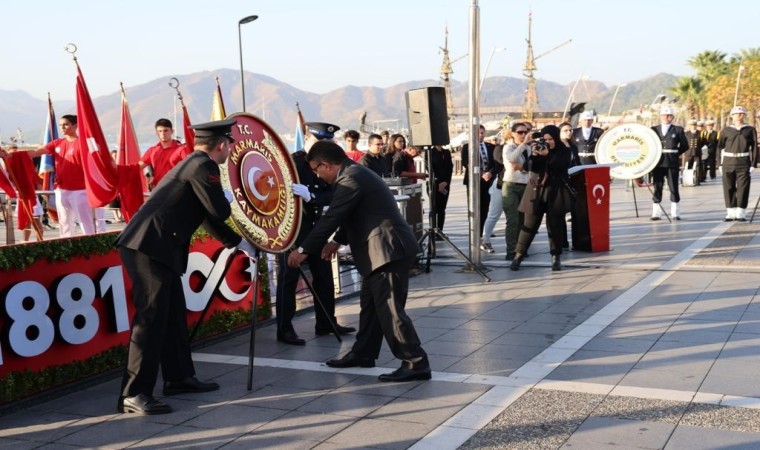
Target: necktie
column 483, row 156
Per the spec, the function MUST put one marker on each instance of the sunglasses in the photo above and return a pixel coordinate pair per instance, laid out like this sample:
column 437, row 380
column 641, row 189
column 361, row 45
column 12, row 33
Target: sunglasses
column 522, row 132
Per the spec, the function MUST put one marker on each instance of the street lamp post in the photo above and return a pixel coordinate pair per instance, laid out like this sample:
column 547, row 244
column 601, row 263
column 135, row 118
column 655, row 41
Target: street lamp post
column 485, row 72
column 738, row 77
column 614, row 96
column 242, row 22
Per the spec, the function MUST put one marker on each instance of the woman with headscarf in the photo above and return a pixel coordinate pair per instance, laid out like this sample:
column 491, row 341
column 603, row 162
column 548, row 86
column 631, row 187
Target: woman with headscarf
column 548, row 192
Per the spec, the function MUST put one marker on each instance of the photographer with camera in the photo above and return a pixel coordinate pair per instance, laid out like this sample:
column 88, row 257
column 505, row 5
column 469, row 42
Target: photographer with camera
column 548, row 192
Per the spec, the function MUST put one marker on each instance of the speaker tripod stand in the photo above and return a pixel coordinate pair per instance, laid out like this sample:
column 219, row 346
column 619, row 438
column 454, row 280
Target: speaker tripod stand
column 432, row 232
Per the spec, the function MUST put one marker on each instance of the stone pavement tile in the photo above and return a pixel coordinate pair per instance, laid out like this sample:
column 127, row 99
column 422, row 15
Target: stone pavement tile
column 731, row 382
column 489, row 325
column 235, row 418
column 486, row 365
column 536, row 326
column 53, row 446
column 595, row 367
column 311, row 351
column 314, row 380
column 43, row 426
column 428, row 411
column 601, row 432
column 695, row 336
column 540, row 419
column 427, row 334
column 88, row 402
column 741, row 345
column 295, row 430
column 664, row 379
column 508, row 351
column 372, row 386
column 189, row 437
column 642, row 332
column 468, row 311
column 530, row 339
column 749, row 323
column 379, row 433
column 449, row 348
column 571, row 318
column 457, row 393
column 345, row 404
column 722, row 417
column 471, row 336
column 618, row 345
column 684, row 355
column 279, row 397
column 439, row 322
column 122, row 431
column 695, row 438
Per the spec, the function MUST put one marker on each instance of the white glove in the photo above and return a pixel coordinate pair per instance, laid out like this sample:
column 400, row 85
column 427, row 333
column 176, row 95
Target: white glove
column 751, row 169
column 302, row 191
column 228, row 195
column 246, row 247
column 720, row 170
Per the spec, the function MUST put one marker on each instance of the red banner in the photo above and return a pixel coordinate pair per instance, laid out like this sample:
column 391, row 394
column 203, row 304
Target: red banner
column 54, row 313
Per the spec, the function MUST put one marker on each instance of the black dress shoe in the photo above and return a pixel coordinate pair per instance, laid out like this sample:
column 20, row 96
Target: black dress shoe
column 406, row 374
column 351, row 360
column 142, row 404
column 516, row 262
column 189, row 384
column 290, row 337
column 556, row 264
column 510, row 256
column 341, row 330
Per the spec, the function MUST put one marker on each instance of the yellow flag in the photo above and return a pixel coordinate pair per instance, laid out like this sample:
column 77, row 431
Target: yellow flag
column 217, row 105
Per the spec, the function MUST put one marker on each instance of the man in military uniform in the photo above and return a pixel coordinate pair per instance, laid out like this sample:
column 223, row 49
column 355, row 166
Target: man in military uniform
column 315, row 194
column 738, row 143
column 693, row 156
column 674, row 144
column 154, row 249
column 586, row 136
column 710, row 138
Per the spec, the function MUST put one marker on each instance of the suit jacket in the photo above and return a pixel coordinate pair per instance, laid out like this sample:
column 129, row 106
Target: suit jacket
column 189, row 195
column 493, row 166
column 675, row 140
column 322, row 192
column 696, row 141
column 365, row 215
column 584, row 145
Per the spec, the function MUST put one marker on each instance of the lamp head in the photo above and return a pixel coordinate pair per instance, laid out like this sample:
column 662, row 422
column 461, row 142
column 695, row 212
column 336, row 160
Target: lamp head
column 248, row 19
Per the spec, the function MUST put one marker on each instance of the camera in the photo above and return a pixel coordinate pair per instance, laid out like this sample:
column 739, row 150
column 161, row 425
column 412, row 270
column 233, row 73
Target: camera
column 539, row 143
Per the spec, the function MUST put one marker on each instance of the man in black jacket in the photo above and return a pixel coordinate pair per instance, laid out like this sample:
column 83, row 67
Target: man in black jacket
column 154, row 249
column 674, row 144
column 738, row 143
column 488, row 171
column 316, row 194
column 365, row 215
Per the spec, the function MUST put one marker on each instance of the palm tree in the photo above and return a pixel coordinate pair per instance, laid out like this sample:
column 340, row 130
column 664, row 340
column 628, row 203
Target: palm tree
column 710, row 64
column 691, row 92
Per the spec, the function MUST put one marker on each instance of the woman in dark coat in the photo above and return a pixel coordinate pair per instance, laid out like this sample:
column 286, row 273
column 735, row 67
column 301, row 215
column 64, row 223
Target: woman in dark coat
column 548, row 192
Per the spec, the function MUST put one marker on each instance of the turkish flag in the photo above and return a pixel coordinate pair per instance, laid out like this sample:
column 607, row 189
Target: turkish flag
column 21, row 170
column 5, row 184
column 100, row 173
column 129, row 149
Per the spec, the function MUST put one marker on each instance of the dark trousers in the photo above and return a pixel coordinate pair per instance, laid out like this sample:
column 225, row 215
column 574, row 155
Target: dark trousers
column 287, row 281
column 659, row 175
column 441, row 200
column 159, row 327
column 485, row 202
column 736, row 186
column 382, row 300
column 710, row 164
column 554, row 227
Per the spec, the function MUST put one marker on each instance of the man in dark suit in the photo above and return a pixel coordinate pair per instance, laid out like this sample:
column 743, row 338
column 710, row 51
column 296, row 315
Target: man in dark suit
column 154, row 249
column 315, row 194
column 674, row 144
column 585, row 138
column 365, row 215
column 489, row 170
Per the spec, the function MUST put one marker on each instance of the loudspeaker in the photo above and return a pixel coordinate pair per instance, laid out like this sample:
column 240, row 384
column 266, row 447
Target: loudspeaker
column 428, row 116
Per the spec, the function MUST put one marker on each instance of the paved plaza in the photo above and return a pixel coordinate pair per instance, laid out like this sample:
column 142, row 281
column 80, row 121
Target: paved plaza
column 654, row 344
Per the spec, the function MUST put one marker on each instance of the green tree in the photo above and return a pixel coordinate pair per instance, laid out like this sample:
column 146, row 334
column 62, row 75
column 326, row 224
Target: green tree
column 690, row 92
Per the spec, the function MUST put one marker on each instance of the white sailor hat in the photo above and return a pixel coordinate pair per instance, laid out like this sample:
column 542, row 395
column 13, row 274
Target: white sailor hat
column 587, row 115
column 700, row 123
column 738, row 110
column 667, row 111
column 692, row 122
column 710, row 122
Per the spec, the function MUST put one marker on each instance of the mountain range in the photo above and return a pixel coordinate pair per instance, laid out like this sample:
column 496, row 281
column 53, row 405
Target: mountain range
column 275, row 102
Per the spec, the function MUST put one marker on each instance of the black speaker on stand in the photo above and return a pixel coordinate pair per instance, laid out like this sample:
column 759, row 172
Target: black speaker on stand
column 429, row 126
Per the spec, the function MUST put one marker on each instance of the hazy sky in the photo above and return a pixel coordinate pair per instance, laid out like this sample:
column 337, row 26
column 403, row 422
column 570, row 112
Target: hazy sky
column 320, row 46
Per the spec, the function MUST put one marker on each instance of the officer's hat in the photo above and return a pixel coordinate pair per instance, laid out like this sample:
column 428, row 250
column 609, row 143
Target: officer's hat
column 692, row 122
column 667, row 111
column 710, row 122
column 738, row 110
column 587, row 115
column 216, row 128
column 700, row 123
column 322, row 130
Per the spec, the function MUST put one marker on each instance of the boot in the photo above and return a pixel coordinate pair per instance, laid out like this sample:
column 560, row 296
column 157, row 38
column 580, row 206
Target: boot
column 556, row 263
column 675, row 211
column 730, row 217
column 741, row 214
column 516, row 262
column 656, row 211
